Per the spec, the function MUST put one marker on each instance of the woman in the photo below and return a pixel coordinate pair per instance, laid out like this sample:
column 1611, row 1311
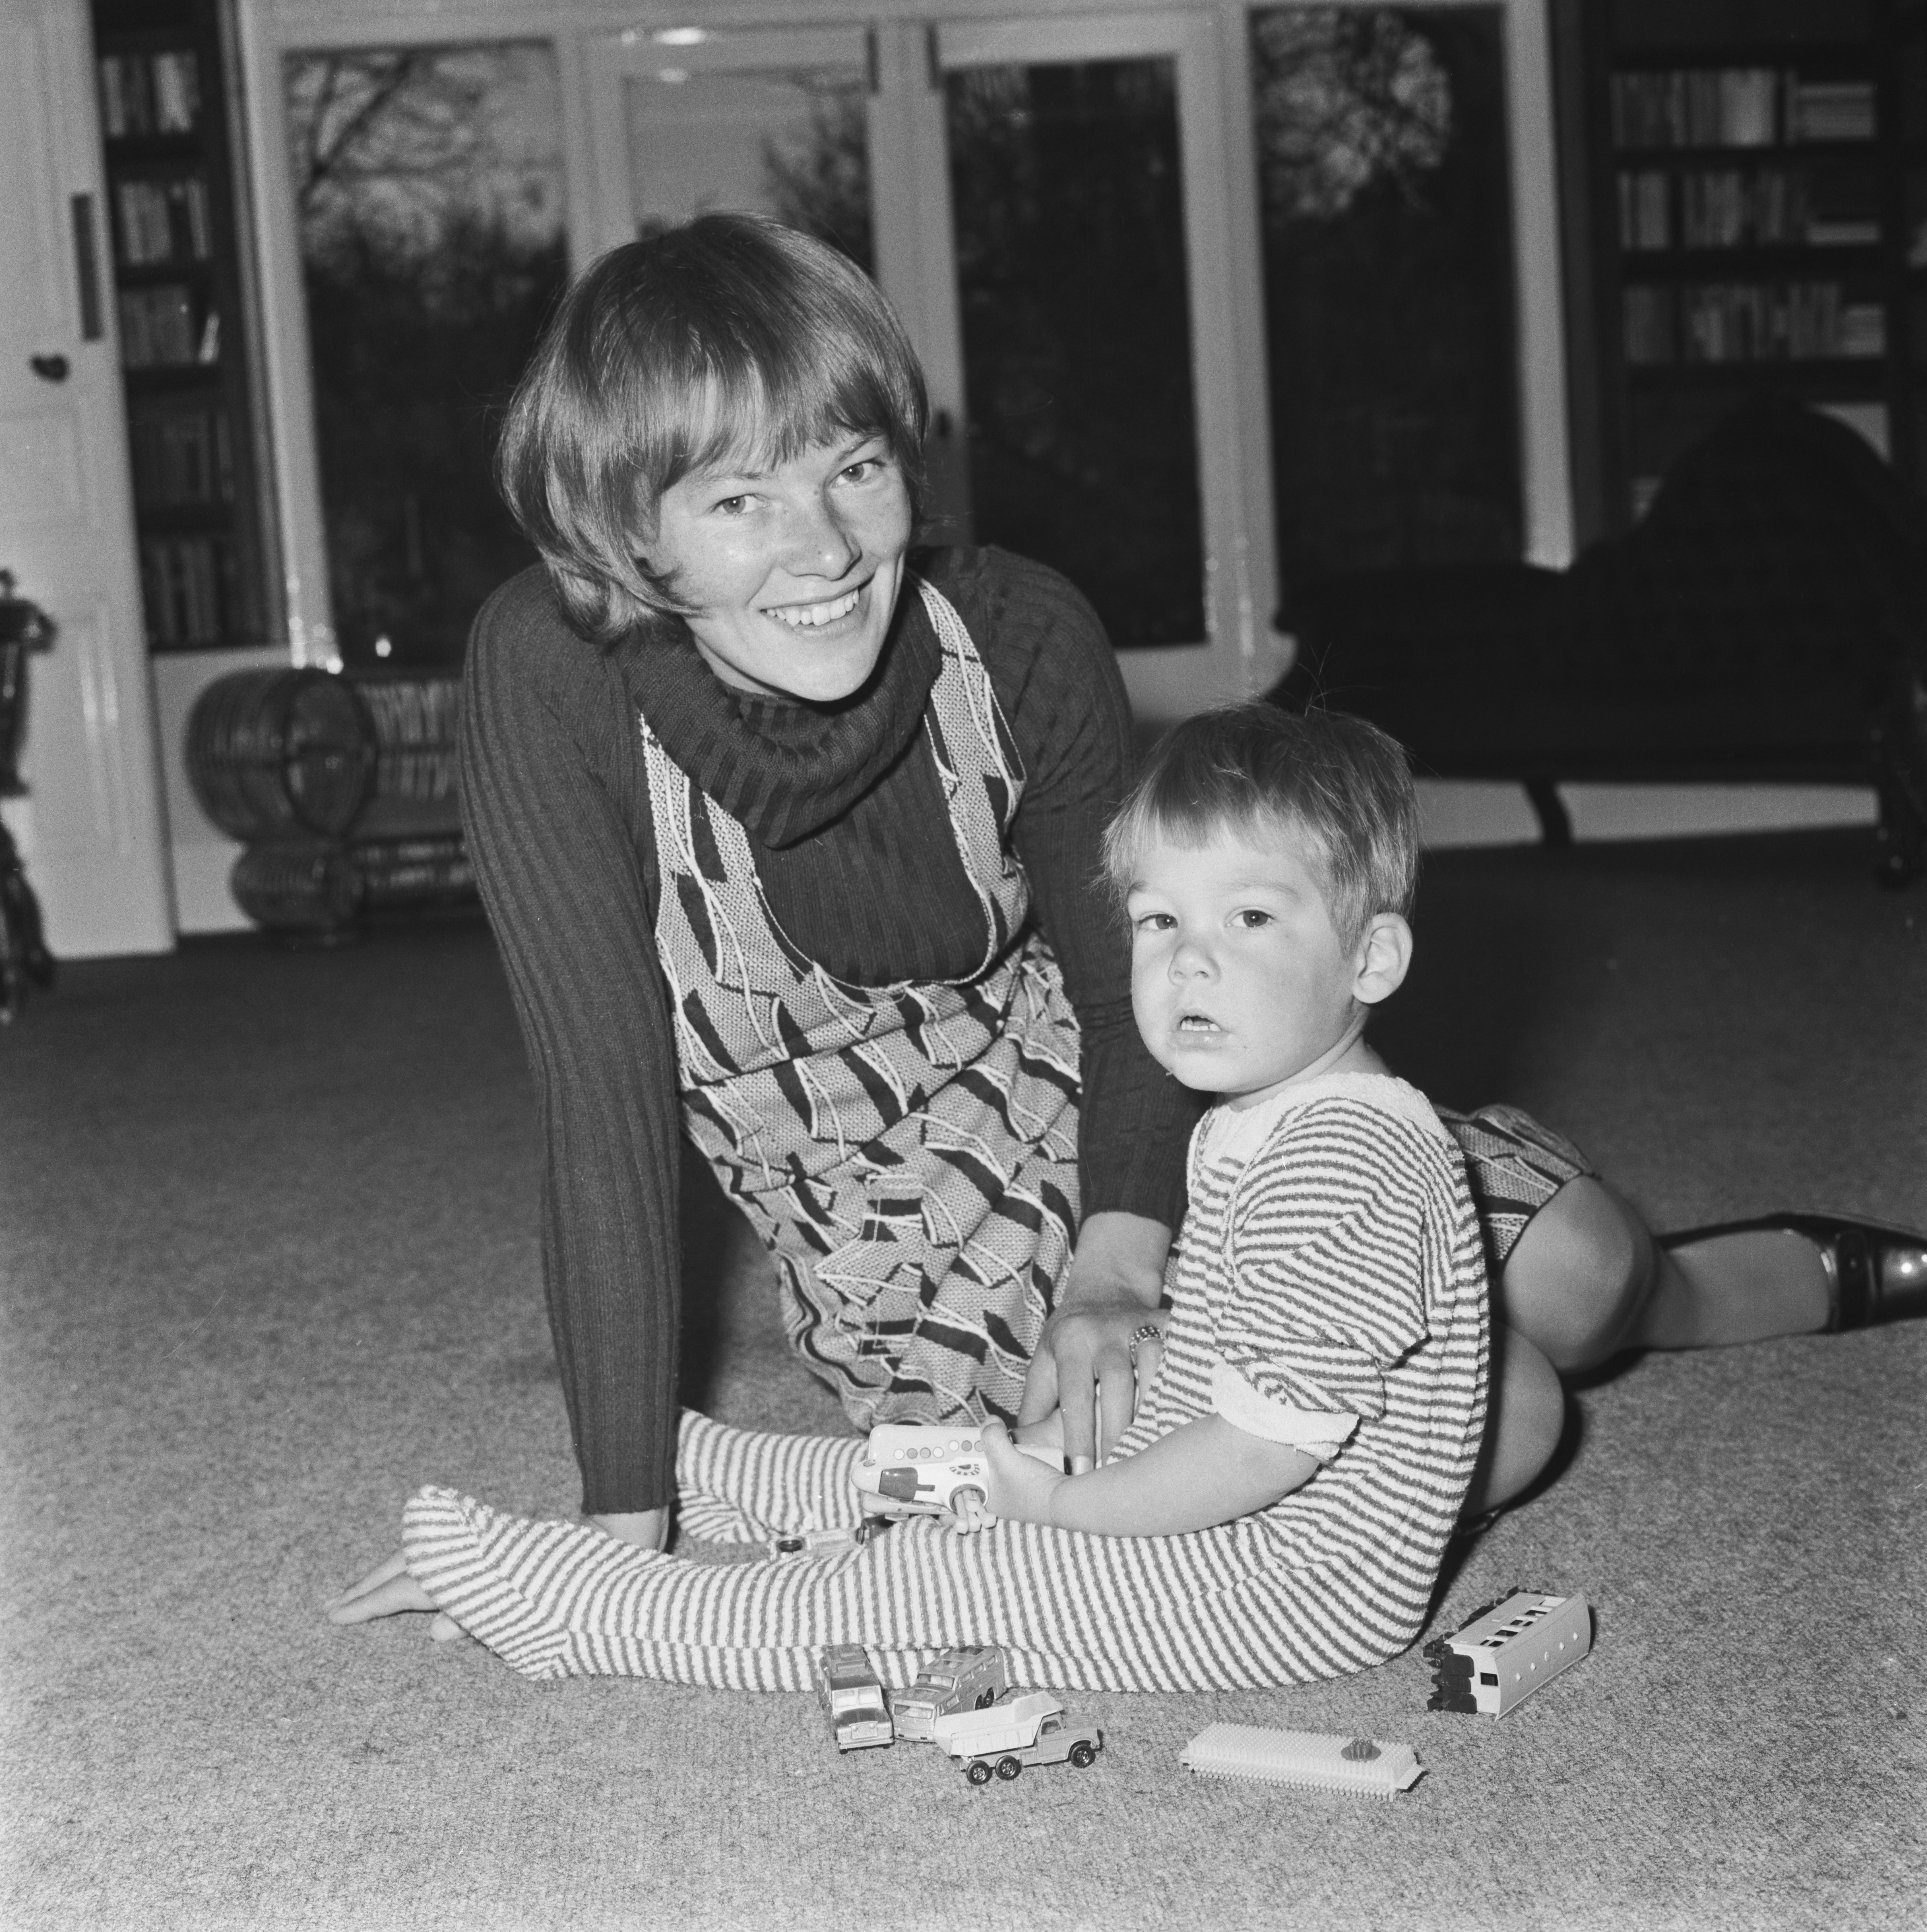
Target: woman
column 790, row 841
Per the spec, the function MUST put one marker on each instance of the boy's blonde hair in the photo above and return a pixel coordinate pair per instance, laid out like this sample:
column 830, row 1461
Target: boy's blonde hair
column 1341, row 784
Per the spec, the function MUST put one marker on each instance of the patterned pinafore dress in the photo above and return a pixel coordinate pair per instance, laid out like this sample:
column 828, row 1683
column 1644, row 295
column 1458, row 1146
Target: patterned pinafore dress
column 908, row 1152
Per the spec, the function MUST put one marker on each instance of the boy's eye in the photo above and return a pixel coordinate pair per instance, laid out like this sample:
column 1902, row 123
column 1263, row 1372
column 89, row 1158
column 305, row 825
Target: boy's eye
column 1153, row 922
column 1251, row 919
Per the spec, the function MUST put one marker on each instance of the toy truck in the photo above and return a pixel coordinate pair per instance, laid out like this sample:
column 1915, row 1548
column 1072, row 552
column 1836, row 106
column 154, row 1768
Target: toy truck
column 970, row 1679
column 1025, row 1727
column 921, row 1468
column 858, row 1707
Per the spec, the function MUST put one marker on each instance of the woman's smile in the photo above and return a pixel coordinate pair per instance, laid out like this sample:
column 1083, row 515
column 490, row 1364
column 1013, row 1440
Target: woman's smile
column 787, row 572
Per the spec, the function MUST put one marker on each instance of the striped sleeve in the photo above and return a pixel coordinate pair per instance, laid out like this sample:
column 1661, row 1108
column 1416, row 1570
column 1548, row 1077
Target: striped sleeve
column 1325, row 1295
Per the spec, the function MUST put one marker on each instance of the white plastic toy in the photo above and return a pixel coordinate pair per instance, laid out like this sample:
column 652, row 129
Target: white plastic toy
column 921, row 1468
column 1507, row 1651
column 1025, row 1727
column 1310, row 1758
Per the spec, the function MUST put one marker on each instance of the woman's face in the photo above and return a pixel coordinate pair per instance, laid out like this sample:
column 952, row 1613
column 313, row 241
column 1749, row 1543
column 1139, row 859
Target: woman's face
column 788, row 575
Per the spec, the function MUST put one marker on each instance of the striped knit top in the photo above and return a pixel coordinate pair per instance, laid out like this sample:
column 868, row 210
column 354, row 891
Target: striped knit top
column 1330, row 1290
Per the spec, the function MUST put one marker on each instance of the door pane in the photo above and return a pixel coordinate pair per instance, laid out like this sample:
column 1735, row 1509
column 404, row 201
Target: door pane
column 792, row 142
column 1069, row 211
column 1388, row 285
column 429, row 188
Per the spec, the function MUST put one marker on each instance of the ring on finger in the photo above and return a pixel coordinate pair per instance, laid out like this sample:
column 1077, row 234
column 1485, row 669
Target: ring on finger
column 1148, row 1331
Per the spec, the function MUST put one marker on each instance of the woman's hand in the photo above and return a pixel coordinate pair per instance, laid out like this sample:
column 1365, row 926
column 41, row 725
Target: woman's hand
column 388, row 1590
column 1083, row 1362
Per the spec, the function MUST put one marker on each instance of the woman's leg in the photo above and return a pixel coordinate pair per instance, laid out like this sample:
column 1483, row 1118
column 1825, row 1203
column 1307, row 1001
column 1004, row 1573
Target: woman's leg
column 1585, row 1279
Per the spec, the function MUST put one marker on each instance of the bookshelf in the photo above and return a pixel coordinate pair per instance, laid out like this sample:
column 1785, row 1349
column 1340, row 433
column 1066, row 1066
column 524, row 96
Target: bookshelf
column 185, row 325
column 1759, row 207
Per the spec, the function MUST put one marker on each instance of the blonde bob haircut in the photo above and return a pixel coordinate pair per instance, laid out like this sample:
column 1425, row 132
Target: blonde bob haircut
column 732, row 340
column 1340, row 784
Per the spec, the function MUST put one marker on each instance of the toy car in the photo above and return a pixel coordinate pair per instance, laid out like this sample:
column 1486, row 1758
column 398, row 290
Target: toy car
column 858, row 1707
column 968, row 1679
column 1028, row 1727
column 822, row 1542
column 926, row 1469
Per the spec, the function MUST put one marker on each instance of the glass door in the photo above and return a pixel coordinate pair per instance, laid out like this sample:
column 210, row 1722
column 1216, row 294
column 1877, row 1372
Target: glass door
column 1092, row 298
column 690, row 121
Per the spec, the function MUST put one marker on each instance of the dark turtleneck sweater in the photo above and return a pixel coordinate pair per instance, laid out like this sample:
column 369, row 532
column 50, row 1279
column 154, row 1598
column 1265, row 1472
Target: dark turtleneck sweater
column 861, row 870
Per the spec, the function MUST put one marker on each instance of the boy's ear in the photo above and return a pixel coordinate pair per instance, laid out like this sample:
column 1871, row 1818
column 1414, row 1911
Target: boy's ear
column 1384, row 957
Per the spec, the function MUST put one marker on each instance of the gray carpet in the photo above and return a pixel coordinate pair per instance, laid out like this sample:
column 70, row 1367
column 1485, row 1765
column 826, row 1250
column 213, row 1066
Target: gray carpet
column 268, row 1263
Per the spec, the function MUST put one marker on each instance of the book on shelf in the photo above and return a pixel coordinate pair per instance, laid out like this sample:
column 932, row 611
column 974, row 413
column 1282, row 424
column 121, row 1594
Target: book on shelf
column 163, row 221
column 1751, row 322
column 1696, row 107
column 159, row 328
column 181, row 456
column 149, row 93
column 1829, row 110
column 184, row 584
column 1645, row 210
column 1737, row 107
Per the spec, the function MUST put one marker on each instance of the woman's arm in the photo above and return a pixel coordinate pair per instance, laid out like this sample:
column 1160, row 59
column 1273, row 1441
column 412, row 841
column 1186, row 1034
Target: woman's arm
column 1058, row 681
column 1204, row 1472
column 558, row 821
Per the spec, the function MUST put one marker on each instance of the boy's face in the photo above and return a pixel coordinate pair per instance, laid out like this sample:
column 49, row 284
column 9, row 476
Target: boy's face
column 1239, row 980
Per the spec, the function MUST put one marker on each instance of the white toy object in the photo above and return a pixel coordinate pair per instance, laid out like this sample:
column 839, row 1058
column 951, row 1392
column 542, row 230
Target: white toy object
column 1508, row 1651
column 1308, row 1758
column 1024, row 1727
column 924, row 1468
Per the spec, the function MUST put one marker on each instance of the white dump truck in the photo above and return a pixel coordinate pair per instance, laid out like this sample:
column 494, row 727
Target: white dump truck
column 1024, row 1727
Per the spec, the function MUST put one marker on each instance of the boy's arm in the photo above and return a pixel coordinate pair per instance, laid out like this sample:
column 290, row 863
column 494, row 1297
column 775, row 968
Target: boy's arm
column 1204, row 1472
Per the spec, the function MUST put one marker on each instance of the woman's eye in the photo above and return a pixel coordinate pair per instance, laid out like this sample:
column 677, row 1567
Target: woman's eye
column 732, row 506
column 864, row 469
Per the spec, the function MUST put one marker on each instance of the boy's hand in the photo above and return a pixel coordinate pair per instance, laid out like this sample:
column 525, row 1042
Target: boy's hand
column 1017, row 1487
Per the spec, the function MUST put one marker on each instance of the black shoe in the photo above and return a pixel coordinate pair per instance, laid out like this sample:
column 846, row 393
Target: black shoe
column 1874, row 1273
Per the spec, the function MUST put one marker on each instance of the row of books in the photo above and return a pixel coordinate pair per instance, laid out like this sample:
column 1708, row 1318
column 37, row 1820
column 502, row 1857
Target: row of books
column 181, row 456
column 1750, row 322
column 161, row 327
column 149, row 93
column 163, row 221
column 1735, row 208
column 184, row 583
column 1737, row 107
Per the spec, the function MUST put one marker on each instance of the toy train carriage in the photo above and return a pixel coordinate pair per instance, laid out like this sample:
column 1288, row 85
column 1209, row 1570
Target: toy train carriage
column 1507, row 1651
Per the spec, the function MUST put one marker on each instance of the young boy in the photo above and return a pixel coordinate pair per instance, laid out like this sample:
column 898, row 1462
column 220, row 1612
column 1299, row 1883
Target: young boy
column 1277, row 1510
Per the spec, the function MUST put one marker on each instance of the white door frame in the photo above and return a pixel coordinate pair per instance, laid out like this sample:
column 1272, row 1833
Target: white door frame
column 92, row 830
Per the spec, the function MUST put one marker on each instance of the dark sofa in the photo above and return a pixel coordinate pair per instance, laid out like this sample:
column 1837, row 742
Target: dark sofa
column 1766, row 620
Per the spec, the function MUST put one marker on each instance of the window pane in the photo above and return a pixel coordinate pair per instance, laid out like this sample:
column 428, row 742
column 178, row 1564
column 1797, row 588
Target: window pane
column 1388, row 285
column 792, row 142
column 429, row 186
column 1068, row 211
